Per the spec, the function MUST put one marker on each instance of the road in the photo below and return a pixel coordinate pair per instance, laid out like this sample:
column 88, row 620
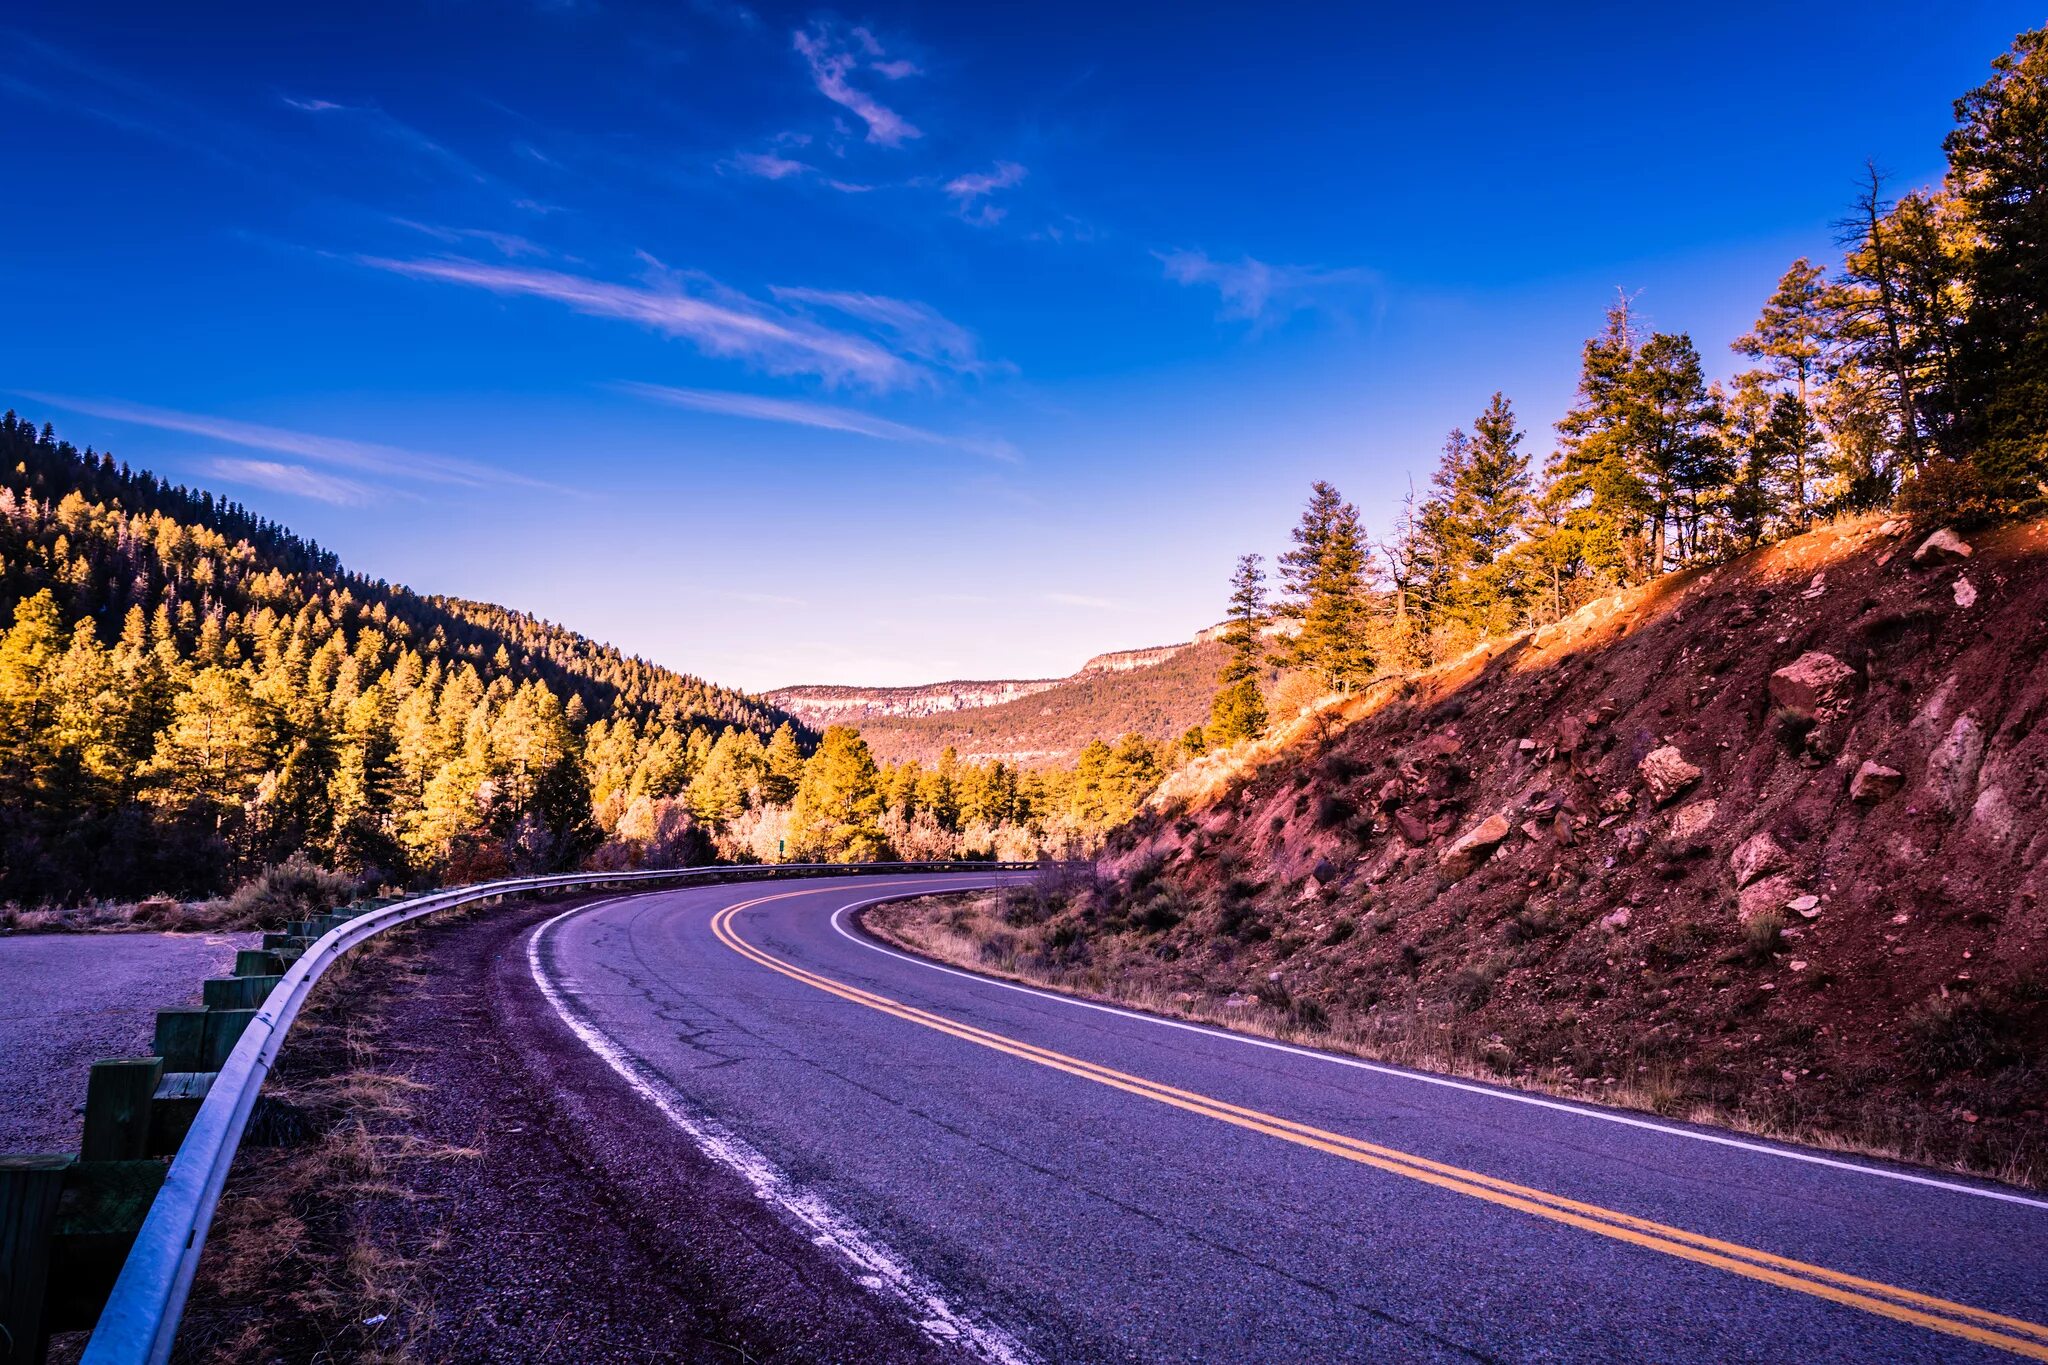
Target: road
column 1038, row 1178
column 69, row 1000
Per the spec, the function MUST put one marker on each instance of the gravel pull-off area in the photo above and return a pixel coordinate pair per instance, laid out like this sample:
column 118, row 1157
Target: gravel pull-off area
column 69, row 1000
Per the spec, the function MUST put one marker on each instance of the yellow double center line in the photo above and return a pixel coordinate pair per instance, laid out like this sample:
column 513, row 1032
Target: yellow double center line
column 1872, row 1296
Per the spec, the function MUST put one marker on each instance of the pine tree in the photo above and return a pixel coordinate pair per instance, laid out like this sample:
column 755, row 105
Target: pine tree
column 839, row 801
column 1325, row 578
column 1238, row 711
column 1998, row 165
column 1794, row 330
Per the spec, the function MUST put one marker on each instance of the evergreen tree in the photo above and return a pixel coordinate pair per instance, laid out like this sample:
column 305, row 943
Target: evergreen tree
column 1238, row 710
column 1998, row 165
column 1325, row 578
column 838, row 807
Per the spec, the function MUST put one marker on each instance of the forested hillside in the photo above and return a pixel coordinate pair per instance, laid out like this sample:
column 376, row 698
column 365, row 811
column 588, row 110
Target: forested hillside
column 188, row 691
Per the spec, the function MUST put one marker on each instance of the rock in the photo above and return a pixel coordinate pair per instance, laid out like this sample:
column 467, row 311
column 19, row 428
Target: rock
column 1666, row 773
column 1757, row 856
column 1993, row 816
column 1874, row 783
column 1765, row 897
column 1894, row 528
column 1812, row 682
column 1966, row 593
column 1531, row 830
column 1474, row 846
column 1617, row 921
column 1943, row 547
column 1692, row 819
column 1807, row 906
column 1951, row 779
column 1412, row 827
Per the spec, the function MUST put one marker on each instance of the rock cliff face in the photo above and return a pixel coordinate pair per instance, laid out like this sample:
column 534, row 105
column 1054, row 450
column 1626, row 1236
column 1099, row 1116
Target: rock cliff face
column 1157, row 692
column 1770, row 834
column 819, row 706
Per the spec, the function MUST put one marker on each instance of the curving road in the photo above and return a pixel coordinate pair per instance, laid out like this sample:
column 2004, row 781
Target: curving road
column 1039, row 1178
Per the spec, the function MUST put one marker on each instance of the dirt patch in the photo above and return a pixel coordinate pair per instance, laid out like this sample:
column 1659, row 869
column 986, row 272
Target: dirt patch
column 440, row 1171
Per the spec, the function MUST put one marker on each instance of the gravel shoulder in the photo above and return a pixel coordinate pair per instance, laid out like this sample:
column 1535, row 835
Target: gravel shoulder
column 69, row 1000
column 443, row 1172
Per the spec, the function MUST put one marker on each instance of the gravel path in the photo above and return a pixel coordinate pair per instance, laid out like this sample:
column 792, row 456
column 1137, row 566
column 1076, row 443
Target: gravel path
column 69, row 1000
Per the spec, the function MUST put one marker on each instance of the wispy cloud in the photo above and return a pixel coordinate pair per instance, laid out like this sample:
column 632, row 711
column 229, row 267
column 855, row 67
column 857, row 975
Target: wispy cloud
column 971, row 193
column 915, row 328
column 505, row 243
column 394, row 130
column 294, row 479
column 726, row 323
column 365, row 456
column 834, row 57
column 797, row 412
column 1258, row 292
column 765, row 165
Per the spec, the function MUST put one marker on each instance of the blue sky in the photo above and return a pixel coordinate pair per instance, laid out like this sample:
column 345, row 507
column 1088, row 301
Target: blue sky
column 899, row 343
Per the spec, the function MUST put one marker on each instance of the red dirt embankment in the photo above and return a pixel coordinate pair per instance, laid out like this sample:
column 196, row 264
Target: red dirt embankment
column 1762, row 842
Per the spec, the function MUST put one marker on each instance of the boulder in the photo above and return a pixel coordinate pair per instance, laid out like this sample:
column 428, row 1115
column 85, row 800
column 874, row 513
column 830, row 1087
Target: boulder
column 1943, row 547
column 1758, row 856
column 1413, row 828
column 1951, row 780
column 1993, row 816
column 1770, row 895
column 1666, row 773
column 1617, row 921
column 1813, row 682
column 1874, row 782
column 1691, row 820
column 1966, row 593
column 1473, row 847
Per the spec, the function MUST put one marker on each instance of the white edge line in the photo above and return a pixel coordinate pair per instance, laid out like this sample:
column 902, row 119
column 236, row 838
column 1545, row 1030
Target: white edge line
column 878, row 1267
column 1424, row 1078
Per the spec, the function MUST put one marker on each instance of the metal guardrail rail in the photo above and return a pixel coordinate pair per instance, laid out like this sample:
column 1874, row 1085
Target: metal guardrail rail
column 140, row 1321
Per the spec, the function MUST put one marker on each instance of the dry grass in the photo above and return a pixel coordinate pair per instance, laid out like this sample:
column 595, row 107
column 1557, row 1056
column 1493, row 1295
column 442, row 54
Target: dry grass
column 971, row 930
column 306, row 1260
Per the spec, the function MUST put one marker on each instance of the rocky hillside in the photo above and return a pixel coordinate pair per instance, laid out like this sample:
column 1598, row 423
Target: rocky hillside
column 1157, row 692
column 1763, row 842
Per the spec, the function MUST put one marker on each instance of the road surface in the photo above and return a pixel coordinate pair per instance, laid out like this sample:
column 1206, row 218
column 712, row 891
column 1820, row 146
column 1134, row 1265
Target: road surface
column 69, row 1000
column 1033, row 1177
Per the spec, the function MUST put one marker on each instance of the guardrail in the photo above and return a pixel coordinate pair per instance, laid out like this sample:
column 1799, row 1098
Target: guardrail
column 139, row 1322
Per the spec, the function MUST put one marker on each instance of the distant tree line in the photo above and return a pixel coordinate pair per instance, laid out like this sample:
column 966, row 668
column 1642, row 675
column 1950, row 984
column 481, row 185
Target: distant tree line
column 189, row 694
column 1914, row 375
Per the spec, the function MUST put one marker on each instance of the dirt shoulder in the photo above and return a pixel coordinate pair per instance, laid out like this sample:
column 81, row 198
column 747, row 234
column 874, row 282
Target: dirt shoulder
column 441, row 1171
column 1050, row 935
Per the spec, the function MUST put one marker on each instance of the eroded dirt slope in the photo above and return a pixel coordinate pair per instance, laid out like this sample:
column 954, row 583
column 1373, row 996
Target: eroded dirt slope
column 1763, row 841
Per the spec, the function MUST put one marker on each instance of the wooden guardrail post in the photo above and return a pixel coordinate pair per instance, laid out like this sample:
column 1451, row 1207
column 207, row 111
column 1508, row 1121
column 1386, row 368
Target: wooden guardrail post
column 30, row 1188
column 117, row 1100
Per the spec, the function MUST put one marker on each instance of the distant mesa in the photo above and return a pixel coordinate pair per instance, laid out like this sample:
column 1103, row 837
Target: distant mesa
column 1158, row 691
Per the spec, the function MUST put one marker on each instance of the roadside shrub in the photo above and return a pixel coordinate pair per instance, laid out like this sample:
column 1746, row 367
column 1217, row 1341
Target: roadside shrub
column 297, row 888
column 1340, row 931
column 1980, row 1033
column 1761, row 937
column 1332, row 811
column 1472, row 986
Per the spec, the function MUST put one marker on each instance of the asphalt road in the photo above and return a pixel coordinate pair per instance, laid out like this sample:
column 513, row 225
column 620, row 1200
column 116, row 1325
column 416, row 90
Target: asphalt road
column 1034, row 1177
